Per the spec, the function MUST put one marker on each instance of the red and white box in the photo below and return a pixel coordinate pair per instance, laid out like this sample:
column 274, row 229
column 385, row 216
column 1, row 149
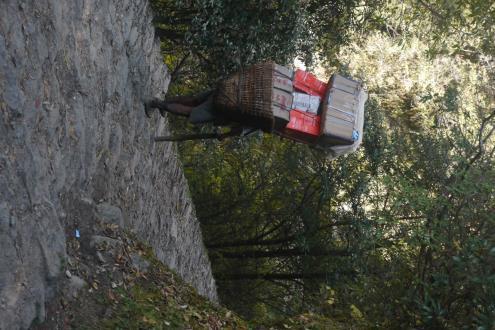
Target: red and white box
column 304, row 123
column 309, row 84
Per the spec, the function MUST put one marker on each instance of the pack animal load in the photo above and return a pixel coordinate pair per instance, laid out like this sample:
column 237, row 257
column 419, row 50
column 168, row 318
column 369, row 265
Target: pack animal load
column 296, row 105
column 328, row 116
column 259, row 96
column 342, row 112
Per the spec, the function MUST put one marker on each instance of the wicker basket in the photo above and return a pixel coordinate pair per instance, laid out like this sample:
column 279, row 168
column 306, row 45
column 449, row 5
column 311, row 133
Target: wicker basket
column 246, row 96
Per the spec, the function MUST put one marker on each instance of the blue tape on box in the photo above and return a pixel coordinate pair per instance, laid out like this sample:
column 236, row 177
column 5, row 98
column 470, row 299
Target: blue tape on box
column 355, row 135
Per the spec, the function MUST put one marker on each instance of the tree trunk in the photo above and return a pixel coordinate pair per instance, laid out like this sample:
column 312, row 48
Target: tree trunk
column 168, row 34
column 250, row 242
column 275, row 241
column 281, row 253
column 271, row 276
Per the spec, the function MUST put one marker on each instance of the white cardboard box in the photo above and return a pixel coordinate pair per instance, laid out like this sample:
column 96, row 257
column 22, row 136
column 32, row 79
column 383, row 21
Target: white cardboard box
column 306, row 102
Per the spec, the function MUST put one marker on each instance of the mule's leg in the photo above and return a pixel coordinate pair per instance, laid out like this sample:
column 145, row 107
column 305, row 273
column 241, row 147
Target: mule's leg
column 165, row 106
column 190, row 100
column 176, row 109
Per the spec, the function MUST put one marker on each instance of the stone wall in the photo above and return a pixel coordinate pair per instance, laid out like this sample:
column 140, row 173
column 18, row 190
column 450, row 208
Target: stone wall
column 73, row 75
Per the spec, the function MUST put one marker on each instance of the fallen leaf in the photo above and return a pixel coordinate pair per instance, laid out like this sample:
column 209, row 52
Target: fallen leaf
column 111, row 296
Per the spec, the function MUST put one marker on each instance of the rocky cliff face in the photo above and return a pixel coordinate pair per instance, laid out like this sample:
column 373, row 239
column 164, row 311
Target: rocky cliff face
column 75, row 147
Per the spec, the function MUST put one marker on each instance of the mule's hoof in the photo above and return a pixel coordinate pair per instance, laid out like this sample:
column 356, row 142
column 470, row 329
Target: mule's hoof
column 163, row 112
column 148, row 110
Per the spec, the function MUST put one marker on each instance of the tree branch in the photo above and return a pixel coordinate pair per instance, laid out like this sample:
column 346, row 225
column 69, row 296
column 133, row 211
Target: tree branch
column 275, row 241
column 256, row 254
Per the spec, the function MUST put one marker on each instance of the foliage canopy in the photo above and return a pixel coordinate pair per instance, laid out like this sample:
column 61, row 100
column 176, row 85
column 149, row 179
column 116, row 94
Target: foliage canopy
column 400, row 234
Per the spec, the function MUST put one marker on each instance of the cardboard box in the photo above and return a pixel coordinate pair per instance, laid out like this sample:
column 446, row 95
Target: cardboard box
column 281, row 119
column 314, row 104
column 309, row 84
column 306, row 102
column 300, row 101
column 342, row 106
column 304, row 122
column 283, row 72
column 342, row 100
column 281, row 109
column 340, row 128
column 282, row 83
column 282, row 78
column 345, row 84
column 281, row 96
column 282, row 99
column 344, row 115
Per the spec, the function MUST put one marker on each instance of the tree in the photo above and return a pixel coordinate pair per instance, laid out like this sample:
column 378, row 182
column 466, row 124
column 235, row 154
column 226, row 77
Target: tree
column 433, row 201
column 245, row 32
column 411, row 213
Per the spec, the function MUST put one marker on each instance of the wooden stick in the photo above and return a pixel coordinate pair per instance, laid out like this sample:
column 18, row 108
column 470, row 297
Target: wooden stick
column 200, row 136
